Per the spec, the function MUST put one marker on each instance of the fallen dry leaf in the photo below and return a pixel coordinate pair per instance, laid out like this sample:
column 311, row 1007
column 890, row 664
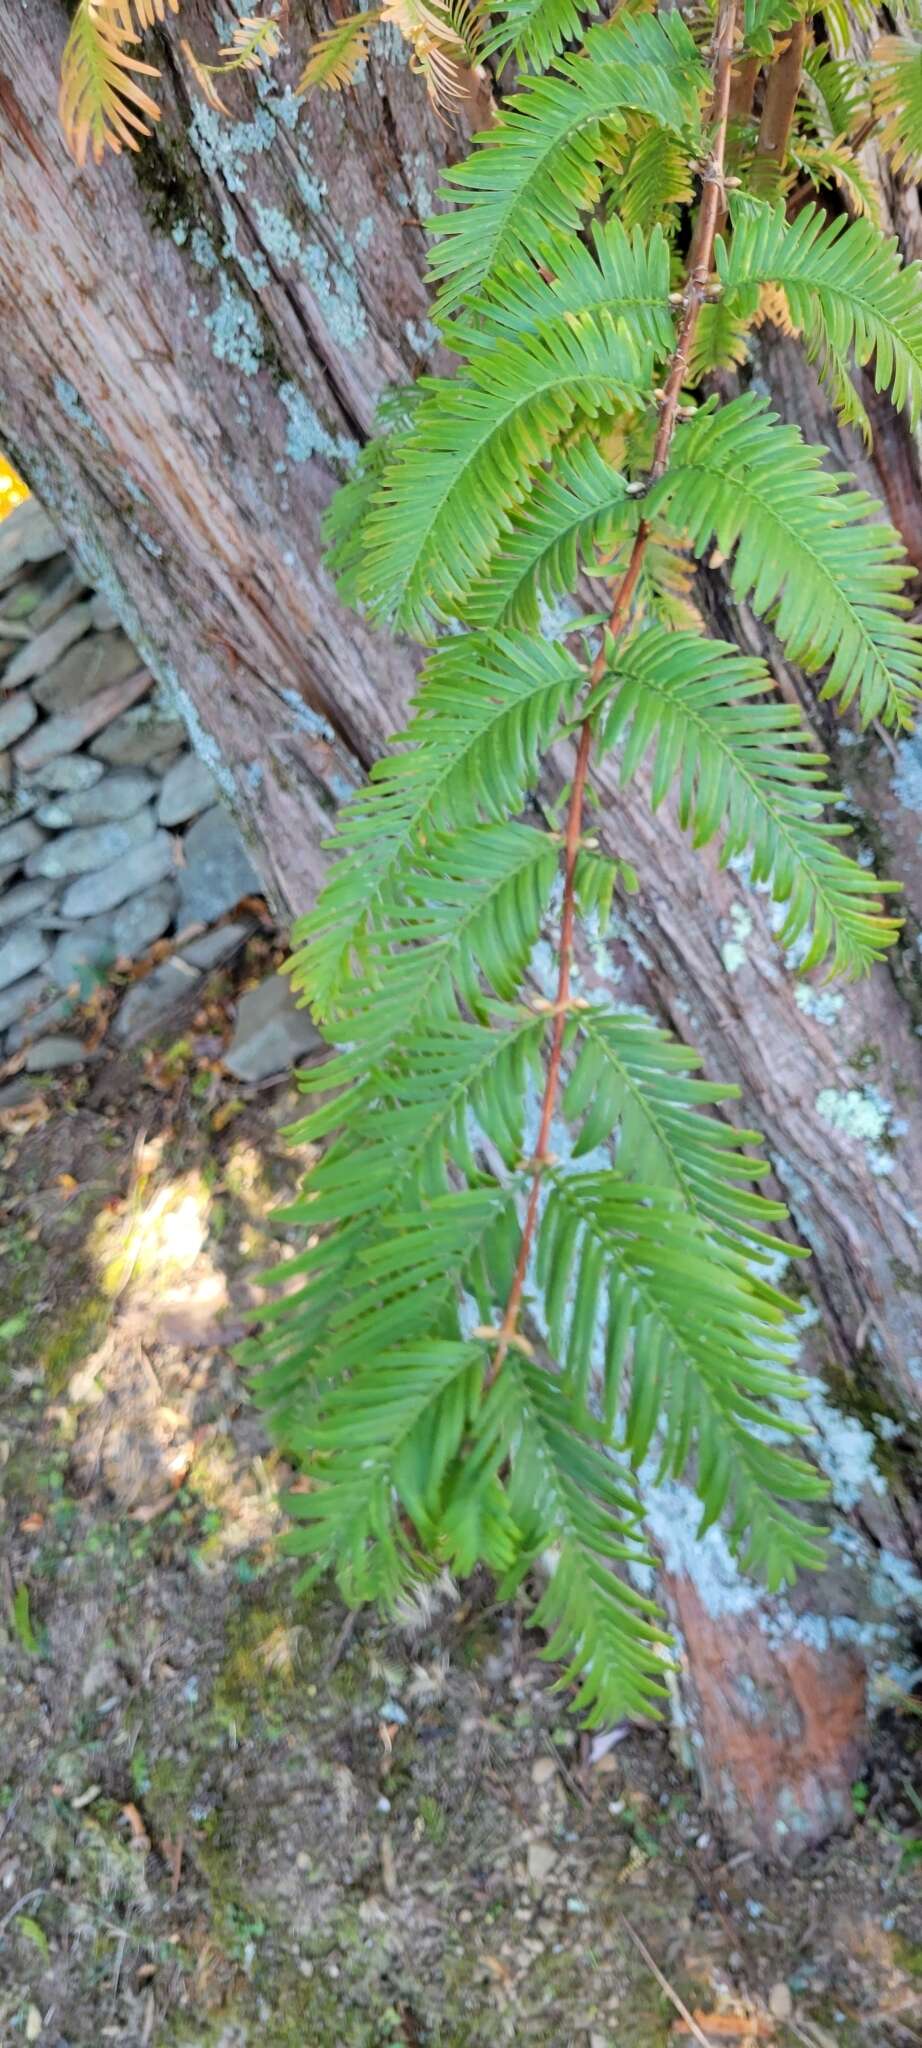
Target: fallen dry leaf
column 139, row 1835
column 22, row 1117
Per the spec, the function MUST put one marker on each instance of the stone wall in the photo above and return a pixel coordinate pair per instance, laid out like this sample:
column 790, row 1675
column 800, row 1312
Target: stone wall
column 111, row 832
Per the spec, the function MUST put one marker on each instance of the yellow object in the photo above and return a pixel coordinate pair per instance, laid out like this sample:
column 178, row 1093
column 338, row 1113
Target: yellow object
column 12, row 490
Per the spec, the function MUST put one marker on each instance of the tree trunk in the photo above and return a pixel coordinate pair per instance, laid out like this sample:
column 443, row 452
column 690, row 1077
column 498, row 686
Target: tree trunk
column 194, row 341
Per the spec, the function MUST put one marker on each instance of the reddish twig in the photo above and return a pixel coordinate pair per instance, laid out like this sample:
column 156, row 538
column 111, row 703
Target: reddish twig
column 693, row 297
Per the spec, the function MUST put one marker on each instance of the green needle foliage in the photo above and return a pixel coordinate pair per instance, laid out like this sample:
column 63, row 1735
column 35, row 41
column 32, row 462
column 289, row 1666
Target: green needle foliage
column 536, row 1266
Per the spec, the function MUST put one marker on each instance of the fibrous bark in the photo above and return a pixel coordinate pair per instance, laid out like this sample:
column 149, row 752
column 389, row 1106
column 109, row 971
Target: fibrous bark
column 194, row 343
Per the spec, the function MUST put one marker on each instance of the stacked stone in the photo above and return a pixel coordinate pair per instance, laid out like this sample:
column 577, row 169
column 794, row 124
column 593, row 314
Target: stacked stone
column 111, row 834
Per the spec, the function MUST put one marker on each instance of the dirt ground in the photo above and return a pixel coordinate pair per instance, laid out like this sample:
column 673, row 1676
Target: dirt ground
column 231, row 1814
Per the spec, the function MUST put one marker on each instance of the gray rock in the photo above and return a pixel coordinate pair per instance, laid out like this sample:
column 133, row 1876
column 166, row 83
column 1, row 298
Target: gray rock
column 272, row 1032
column 217, row 869
column 63, row 590
column 21, row 1089
column 22, row 995
column 17, row 803
column 69, row 772
column 27, row 536
column 80, row 957
column 69, row 729
column 109, row 887
column 27, row 594
column 42, row 652
column 8, row 868
column 144, row 919
column 48, row 1053
column 149, row 1003
column 17, row 715
column 135, row 740
column 104, row 614
column 6, row 774
column 25, row 899
column 95, row 663
column 115, row 797
column 16, row 841
column 213, row 947
column 188, row 788
column 21, row 953
column 89, row 847
column 39, row 1020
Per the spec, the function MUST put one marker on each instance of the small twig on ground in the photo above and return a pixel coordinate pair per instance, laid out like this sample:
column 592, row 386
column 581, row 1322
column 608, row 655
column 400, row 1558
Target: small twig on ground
column 664, row 1984
column 567, row 1775
column 341, row 1643
column 19, row 1904
column 117, row 1972
column 9, row 1815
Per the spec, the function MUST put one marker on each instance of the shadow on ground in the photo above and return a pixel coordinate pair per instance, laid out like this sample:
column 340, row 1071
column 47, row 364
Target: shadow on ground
column 227, row 1814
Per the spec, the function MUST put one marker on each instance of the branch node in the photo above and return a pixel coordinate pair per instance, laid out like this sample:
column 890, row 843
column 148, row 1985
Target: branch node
column 486, row 1334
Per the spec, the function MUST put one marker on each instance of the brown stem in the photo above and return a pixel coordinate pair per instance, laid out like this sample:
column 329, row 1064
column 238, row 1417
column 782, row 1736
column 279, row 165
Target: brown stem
column 781, row 92
column 742, row 88
column 693, row 296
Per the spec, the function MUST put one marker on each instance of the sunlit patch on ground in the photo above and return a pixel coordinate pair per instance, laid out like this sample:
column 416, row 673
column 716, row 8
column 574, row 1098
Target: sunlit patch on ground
column 230, row 1814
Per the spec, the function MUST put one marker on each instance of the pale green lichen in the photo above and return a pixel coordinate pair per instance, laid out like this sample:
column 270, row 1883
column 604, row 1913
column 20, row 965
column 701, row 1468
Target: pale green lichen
column 421, row 339
column 733, row 951
column 68, row 398
column 234, row 328
column 253, row 265
column 907, row 781
column 865, row 1115
column 334, row 288
column 279, row 239
column 201, row 249
column 306, row 434
column 223, row 148
column 820, row 1003
column 313, row 190
column 203, row 741
column 846, row 1451
column 310, row 721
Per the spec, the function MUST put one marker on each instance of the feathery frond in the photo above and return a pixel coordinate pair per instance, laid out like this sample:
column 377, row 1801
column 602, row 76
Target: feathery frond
column 486, row 711
column 101, row 104
column 571, row 1500
column 896, row 89
column 813, row 554
column 149, row 12
column 535, row 31
column 443, row 42
column 744, row 772
column 654, row 180
column 845, row 284
column 625, row 275
column 461, row 921
column 834, row 163
column 536, row 1264
column 255, row 38
column 579, row 506
column 709, row 1348
column 476, row 440
column 335, row 56
column 539, row 166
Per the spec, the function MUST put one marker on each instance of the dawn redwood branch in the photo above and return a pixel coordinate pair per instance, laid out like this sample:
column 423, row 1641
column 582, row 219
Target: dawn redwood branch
column 693, row 298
